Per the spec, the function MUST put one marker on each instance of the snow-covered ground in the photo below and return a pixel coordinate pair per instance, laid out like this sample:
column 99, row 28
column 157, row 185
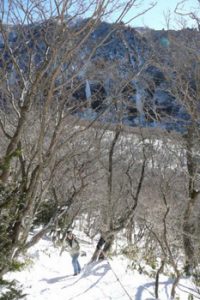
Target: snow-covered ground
column 49, row 276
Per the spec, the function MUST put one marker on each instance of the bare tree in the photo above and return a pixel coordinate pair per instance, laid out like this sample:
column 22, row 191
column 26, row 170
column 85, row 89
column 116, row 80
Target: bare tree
column 179, row 63
column 186, row 89
column 124, row 159
column 45, row 50
column 187, row 14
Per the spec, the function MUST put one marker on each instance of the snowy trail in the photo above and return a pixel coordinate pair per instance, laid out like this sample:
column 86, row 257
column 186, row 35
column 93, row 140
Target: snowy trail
column 49, row 277
column 93, row 283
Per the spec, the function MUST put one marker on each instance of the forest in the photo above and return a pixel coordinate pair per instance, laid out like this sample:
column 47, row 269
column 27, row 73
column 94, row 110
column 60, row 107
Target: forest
column 84, row 138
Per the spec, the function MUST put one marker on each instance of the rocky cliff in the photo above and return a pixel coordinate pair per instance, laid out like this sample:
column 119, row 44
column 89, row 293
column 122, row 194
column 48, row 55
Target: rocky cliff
column 123, row 74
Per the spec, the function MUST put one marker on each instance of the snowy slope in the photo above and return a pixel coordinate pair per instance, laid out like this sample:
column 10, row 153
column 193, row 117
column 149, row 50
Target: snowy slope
column 49, row 276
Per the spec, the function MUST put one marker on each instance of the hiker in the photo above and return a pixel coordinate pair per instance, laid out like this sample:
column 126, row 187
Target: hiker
column 104, row 244
column 72, row 245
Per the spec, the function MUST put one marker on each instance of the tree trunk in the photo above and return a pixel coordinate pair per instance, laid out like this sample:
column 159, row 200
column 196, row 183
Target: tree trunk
column 160, row 270
column 129, row 232
column 188, row 226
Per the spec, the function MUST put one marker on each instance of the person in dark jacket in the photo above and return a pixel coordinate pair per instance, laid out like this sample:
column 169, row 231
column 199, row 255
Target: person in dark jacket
column 104, row 244
column 72, row 246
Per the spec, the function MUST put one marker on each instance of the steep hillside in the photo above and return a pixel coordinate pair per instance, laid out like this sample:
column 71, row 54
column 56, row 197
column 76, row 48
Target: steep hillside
column 123, row 74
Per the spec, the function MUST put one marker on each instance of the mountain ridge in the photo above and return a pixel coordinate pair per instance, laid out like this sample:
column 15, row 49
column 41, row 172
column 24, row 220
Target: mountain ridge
column 136, row 60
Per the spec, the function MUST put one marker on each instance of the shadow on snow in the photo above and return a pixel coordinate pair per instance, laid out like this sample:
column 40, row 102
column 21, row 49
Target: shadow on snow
column 93, row 269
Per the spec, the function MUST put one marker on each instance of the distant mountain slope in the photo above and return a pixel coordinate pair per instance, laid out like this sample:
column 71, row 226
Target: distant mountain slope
column 128, row 78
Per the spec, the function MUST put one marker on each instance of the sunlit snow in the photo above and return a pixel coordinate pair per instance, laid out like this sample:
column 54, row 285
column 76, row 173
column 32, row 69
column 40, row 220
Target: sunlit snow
column 49, row 276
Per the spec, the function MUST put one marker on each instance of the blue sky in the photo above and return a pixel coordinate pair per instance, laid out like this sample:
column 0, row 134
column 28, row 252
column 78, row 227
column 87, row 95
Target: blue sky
column 155, row 18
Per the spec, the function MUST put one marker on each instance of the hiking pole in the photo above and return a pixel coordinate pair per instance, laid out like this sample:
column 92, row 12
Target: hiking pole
column 119, row 280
